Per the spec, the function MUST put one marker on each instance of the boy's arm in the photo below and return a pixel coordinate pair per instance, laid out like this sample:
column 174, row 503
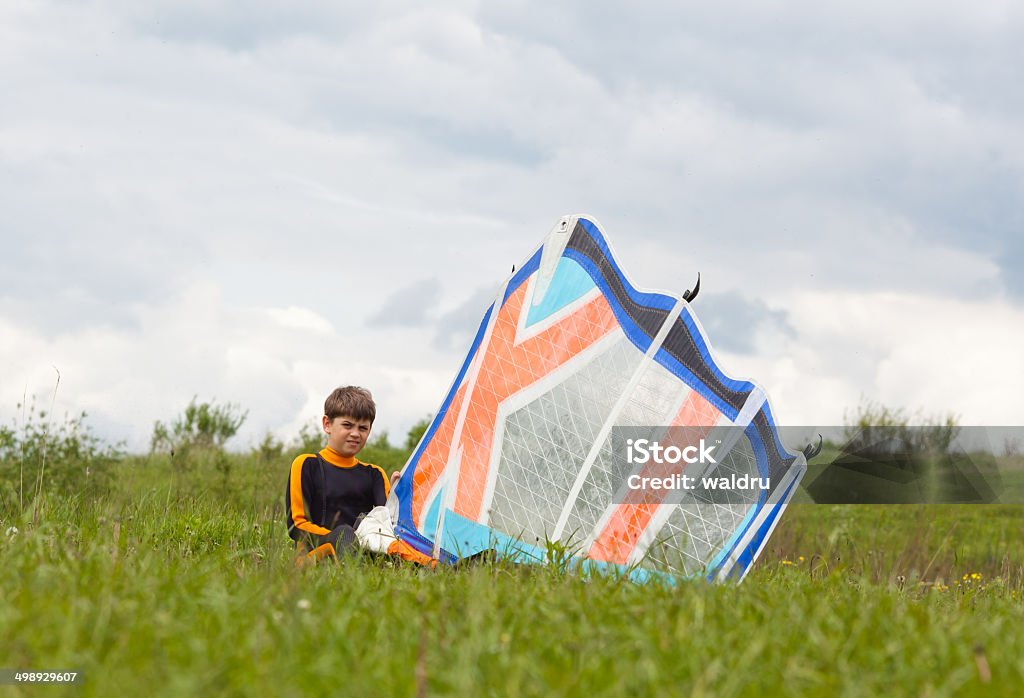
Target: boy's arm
column 300, row 491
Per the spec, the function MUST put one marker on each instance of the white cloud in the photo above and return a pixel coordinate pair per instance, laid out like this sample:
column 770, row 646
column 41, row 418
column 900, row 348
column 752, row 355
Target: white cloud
column 204, row 201
column 929, row 354
column 301, row 319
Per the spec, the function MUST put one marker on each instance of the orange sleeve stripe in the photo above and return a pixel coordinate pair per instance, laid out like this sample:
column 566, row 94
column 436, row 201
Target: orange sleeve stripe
column 299, row 519
column 387, row 480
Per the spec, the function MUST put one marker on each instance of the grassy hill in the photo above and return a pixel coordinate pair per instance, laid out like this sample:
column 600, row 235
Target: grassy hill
column 181, row 582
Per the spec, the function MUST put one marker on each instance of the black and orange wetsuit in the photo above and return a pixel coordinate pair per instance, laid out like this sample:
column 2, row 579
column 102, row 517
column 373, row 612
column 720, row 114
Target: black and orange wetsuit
column 327, row 493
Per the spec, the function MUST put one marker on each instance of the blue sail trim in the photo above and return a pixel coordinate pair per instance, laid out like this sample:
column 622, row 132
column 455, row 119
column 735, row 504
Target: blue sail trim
column 524, row 272
column 761, row 459
column 642, row 341
column 705, row 353
column 403, row 490
column 663, row 302
column 783, row 453
column 746, row 559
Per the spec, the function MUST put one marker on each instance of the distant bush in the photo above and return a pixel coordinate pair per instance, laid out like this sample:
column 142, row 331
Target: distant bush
column 872, row 423
column 269, row 450
column 416, row 432
column 198, row 435
column 38, row 455
column 310, row 439
column 379, row 451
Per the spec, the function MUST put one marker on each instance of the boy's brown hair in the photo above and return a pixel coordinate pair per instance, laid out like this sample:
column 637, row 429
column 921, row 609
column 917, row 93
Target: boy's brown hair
column 350, row 401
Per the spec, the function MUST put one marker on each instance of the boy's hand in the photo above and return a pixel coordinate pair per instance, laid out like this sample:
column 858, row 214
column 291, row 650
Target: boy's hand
column 394, row 478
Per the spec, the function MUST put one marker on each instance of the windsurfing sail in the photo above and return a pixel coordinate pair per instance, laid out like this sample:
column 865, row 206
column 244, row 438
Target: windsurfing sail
column 546, row 432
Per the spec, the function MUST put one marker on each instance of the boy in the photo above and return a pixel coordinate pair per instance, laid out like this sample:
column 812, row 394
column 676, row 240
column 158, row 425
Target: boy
column 329, row 492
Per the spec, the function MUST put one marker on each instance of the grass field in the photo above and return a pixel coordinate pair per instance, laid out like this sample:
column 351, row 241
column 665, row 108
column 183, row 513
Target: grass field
column 182, row 583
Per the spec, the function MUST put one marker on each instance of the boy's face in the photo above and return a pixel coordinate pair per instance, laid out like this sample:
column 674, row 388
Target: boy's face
column 347, row 435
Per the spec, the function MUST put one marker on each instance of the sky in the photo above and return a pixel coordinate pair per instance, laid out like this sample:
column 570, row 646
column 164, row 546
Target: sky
column 253, row 203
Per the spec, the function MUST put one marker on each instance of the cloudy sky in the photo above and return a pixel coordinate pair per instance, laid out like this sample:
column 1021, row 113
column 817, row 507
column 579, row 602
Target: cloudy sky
column 257, row 202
